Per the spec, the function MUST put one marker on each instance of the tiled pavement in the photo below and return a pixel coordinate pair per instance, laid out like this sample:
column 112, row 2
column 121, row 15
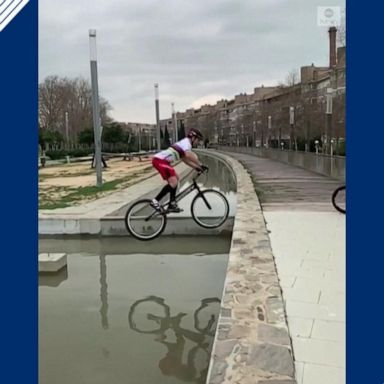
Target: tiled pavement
column 308, row 242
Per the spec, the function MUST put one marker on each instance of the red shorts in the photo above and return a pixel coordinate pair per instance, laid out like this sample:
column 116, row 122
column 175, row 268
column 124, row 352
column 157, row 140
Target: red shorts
column 164, row 168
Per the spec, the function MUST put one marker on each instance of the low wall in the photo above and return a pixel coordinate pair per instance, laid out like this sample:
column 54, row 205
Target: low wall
column 252, row 342
column 332, row 166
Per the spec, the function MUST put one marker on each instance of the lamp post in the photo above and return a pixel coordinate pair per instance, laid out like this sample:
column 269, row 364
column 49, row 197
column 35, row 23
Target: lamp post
column 66, row 130
column 292, row 124
column 96, row 106
column 328, row 112
column 157, row 116
column 269, row 130
column 254, row 134
column 175, row 134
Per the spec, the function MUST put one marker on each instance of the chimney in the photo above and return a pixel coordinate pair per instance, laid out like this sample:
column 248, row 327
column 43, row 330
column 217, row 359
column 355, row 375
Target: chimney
column 332, row 46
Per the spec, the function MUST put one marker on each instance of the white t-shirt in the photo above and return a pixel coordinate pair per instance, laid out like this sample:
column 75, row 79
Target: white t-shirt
column 175, row 151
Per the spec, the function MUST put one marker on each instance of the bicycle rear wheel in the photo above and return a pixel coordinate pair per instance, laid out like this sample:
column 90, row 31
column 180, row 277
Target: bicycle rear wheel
column 339, row 199
column 149, row 315
column 210, row 208
column 143, row 221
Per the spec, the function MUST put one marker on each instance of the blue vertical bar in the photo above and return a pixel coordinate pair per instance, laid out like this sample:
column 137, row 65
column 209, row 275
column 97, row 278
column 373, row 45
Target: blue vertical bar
column 18, row 196
column 365, row 207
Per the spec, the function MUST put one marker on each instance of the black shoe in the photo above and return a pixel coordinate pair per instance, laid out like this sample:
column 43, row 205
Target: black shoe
column 173, row 207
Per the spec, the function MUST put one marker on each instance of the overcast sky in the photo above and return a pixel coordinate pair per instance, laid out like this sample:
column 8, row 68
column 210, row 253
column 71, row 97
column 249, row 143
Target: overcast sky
column 199, row 51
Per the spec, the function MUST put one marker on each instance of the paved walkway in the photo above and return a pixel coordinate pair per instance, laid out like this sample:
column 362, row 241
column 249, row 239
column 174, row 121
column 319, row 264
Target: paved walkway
column 308, row 241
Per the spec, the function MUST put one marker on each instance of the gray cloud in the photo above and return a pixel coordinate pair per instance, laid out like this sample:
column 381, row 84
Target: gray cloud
column 192, row 48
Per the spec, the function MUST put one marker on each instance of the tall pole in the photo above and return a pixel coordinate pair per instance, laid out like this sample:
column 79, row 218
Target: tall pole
column 157, row 116
column 269, row 130
column 66, row 130
column 254, row 134
column 175, row 122
column 96, row 106
column 329, row 132
column 292, row 124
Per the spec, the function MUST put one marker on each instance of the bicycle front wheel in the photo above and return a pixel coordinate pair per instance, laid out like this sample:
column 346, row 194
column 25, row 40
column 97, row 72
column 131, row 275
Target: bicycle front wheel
column 339, row 199
column 210, row 208
column 143, row 221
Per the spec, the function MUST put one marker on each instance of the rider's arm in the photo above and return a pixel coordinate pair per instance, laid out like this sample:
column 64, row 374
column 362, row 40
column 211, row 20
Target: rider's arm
column 191, row 159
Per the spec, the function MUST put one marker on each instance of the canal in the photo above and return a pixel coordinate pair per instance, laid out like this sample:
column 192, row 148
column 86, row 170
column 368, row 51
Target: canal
column 126, row 311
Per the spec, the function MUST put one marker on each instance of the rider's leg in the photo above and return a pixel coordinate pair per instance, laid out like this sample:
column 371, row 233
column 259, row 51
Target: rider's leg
column 173, row 207
column 172, row 182
column 167, row 188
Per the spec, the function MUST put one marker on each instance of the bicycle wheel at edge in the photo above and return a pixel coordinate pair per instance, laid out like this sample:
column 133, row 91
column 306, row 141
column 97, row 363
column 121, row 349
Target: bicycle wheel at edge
column 137, row 226
column 335, row 196
column 214, row 215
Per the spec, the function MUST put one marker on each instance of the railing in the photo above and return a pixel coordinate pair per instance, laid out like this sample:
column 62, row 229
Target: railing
column 332, row 166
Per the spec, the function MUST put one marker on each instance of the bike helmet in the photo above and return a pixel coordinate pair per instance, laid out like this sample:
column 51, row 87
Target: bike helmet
column 193, row 132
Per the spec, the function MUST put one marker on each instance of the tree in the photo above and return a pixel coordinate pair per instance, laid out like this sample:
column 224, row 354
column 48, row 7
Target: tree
column 341, row 33
column 86, row 137
column 50, row 137
column 292, row 78
column 181, row 131
column 59, row 97
column 113, row 134
column 167, row 143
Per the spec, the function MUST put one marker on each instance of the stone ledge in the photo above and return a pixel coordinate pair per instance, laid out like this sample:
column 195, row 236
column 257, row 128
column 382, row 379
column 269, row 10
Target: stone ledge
column 52, row 262
column 252, row 343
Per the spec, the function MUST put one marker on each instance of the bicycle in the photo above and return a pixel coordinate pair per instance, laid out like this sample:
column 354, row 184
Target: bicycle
column 209, row 209
column 188, row 361
column 339, row 199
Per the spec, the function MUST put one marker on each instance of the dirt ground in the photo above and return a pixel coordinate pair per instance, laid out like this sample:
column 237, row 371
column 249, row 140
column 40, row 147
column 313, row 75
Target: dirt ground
column 60, row 183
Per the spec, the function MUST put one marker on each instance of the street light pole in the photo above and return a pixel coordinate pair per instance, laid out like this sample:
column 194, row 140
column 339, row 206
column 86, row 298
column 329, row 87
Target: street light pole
column 96, row 106
column 175, row 134
column 329, row 132
column 269, row 130
column 157, row 116
column 254, row 134
column 292, row 124
column 66, row 130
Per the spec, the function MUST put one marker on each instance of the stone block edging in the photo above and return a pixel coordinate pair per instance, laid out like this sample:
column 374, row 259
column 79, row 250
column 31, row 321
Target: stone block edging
column 252, row 343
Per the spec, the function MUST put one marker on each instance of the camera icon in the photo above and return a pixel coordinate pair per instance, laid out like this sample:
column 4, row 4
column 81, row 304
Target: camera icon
column 328, row 16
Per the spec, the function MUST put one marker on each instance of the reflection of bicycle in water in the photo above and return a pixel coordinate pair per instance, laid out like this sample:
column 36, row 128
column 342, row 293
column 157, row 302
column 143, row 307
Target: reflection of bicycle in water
column 152, row 316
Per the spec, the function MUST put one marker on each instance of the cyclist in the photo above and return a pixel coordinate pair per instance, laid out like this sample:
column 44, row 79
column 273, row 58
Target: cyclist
column 163, row 160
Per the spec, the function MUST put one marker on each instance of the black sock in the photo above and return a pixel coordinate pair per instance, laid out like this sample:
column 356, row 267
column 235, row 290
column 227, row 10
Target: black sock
column 167, row 188
column 173, row 193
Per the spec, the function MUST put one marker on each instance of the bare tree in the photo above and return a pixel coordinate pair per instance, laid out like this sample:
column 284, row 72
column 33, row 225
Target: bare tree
column 58, row 96
column 292, row 78
column 342, row 33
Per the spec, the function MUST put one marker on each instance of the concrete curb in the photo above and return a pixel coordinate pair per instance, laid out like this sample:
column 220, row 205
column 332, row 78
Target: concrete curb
column 252, row 343
column 87, row 218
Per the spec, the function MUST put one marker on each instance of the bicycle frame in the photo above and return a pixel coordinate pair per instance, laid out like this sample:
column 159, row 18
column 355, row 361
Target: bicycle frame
column 181, row 195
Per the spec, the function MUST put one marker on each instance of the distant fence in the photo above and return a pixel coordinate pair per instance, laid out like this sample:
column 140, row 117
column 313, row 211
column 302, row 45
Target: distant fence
column 332, row 166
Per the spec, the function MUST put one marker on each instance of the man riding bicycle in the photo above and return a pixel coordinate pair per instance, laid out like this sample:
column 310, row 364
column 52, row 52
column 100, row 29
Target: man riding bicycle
column 162, row 162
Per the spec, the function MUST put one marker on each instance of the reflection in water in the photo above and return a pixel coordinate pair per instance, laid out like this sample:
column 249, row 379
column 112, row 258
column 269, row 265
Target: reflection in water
column 83, row 327
column 152, row 316
column 103, row 293
column 220, row 176
column 50, row 279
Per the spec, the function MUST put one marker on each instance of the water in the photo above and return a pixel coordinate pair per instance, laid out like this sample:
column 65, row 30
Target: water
column 133, row 312
column 220, row 178
column 124, row 311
